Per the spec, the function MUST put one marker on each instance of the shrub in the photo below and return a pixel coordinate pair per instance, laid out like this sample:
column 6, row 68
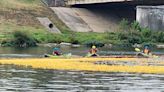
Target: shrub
column 136, row 34
column 135, row 26
column 96, row 43
column 73, row 39
column 145, row 32
column 124, row 25
column 6, row 43
column 23, row 39
column 111, row 36
column 160, row 36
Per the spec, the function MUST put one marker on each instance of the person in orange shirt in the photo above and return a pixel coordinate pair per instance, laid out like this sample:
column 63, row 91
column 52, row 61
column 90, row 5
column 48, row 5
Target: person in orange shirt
column 146, row 50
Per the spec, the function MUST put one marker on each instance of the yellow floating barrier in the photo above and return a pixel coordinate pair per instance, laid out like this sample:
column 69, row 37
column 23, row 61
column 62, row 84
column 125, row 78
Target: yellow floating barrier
column 128, row 65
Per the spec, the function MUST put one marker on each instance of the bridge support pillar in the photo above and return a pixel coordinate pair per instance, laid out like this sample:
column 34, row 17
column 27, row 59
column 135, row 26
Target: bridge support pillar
column 151, row 17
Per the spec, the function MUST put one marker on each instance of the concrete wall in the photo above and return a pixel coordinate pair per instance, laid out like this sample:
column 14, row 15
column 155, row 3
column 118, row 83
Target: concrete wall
column 151, row 17
column 95, row 18
column 48, row 25
column 71, row 19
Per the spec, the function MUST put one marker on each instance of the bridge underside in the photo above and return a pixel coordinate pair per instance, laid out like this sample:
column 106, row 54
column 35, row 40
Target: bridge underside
column 105, row 17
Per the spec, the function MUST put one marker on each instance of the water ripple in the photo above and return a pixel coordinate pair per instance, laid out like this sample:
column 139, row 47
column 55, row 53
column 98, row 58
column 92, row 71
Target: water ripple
column 19, row 79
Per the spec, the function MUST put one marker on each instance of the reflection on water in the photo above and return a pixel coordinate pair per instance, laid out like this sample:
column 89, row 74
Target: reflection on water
column 40, row 51
column 19, row 79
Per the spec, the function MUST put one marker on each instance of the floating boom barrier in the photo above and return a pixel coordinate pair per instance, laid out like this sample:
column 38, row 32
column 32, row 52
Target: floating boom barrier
column 127, row 65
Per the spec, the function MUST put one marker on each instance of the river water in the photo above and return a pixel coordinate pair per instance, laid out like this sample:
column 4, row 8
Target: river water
column 21, row 79
column 82, row 51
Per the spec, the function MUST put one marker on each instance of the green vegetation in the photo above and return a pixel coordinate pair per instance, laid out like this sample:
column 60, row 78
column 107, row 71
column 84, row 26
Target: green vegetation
column 23, row 39
column 20, row 15
column 19, row 26
column 132, row 33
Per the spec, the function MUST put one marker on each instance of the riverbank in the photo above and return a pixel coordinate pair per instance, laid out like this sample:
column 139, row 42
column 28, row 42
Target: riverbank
column 20, row 17
column 27, row 39
column 131, row 37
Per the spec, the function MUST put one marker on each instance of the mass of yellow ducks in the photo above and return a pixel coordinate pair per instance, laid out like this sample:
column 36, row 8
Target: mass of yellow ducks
column 127, row 65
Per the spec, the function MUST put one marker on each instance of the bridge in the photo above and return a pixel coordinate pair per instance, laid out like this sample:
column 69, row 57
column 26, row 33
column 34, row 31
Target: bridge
column 77, row 2
column 105, row 15
column 99, row 2
column 74, row 2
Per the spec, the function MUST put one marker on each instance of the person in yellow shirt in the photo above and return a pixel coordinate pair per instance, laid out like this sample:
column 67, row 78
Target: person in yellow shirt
column 93, row 51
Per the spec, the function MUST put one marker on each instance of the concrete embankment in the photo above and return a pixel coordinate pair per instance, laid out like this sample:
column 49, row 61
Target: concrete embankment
column 95, row 18
column 71, row 19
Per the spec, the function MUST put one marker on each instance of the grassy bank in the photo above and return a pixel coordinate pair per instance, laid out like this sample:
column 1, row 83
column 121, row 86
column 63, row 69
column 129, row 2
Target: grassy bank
column 20, row 15
column 18, row 19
